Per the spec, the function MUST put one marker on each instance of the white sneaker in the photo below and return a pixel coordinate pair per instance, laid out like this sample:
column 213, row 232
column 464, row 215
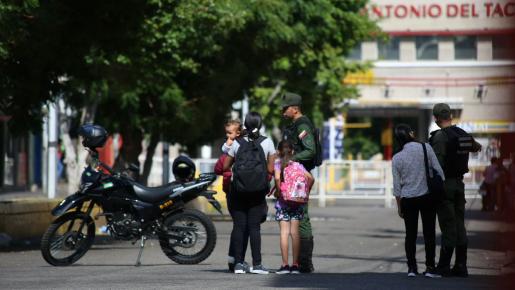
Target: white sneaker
column 259, row 269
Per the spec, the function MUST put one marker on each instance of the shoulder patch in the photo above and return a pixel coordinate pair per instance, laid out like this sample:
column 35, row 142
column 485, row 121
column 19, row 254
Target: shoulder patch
column 303, row 134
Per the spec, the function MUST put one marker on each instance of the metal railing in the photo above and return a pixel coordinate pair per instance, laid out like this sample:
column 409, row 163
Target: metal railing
column 343, row 179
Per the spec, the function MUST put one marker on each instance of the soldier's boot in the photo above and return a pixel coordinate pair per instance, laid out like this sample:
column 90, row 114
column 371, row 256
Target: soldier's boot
column 306, row 255
column 460, row 265
column 444, row 263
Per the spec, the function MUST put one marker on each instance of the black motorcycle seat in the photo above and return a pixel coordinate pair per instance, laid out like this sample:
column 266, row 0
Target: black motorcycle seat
column 154, row 194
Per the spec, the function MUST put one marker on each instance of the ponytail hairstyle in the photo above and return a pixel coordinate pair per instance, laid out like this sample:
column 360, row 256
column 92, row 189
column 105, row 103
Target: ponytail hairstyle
column 403, row 134
column 285, row 149
column 253, row 123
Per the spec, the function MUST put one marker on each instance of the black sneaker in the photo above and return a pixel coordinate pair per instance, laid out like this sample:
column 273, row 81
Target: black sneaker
column 230, row 263
column 283, row 270
column 443, row 271
column 431, row 273
column 460, row 271
column 412, row 272
column 294, row 269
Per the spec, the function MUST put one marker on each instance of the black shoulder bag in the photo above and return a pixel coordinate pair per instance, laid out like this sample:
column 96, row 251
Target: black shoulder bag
column 434, row 180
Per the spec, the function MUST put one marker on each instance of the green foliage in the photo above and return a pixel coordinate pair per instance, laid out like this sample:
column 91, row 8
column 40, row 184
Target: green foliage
column 175, row 67
column 309, row 40
column 361, row 145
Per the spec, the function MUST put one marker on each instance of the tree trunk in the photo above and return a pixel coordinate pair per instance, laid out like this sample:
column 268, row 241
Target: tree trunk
column 70, row 159
column 151, row 149
column 72, row 168
column 87, row 116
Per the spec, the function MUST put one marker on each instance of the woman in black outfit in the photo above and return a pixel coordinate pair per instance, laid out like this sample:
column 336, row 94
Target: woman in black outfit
column 248, row 208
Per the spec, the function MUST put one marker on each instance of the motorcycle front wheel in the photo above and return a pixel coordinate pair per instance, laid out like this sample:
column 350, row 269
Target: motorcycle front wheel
column 68, row 238
column 188, row 237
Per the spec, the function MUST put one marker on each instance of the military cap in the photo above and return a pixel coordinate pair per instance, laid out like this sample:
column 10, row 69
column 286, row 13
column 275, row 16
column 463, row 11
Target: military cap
column 290, row 99
column 442, row 110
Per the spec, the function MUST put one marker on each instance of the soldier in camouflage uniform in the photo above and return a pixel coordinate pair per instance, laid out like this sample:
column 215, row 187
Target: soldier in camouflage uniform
column 451, row 211
column 301, row 133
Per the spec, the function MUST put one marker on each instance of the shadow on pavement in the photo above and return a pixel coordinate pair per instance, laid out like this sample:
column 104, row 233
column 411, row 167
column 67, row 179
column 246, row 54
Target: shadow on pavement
column 380, row 281
column 34, row 244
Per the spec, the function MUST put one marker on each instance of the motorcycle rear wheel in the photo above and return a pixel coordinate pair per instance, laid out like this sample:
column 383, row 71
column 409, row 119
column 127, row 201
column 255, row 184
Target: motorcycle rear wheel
column 68, row 238
column 198, row 237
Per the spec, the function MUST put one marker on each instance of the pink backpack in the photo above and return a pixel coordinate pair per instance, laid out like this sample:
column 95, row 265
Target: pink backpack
column 294, row 188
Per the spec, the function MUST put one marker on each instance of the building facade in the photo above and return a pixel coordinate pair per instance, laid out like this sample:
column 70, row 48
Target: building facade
column 457, row 52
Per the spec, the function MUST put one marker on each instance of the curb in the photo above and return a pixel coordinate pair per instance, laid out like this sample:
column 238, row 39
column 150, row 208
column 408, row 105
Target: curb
column 25, row 218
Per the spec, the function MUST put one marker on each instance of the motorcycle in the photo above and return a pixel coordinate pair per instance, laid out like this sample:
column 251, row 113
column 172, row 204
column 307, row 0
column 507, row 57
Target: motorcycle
column 133, row 212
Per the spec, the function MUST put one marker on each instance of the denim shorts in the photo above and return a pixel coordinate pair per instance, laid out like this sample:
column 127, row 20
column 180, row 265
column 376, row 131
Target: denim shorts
column 286, row 212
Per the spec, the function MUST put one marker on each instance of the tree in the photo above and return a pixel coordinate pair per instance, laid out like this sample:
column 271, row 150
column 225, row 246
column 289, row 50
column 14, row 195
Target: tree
column 165, row 69
column 311, row 41
column 42, row 42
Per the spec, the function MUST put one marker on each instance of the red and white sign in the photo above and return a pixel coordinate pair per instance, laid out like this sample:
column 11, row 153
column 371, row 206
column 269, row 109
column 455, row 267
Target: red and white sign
column 485, row 17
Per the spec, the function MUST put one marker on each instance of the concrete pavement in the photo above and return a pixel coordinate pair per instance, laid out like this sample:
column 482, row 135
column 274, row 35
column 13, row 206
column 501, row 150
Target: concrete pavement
column 359, row 245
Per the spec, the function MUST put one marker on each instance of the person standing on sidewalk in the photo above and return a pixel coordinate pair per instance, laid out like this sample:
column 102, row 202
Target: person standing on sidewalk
column 452, row 145
column 301, row 134
column 292, row 184
column 412, row 195
column 488, row 200
column 233, row 130
column 253, row 157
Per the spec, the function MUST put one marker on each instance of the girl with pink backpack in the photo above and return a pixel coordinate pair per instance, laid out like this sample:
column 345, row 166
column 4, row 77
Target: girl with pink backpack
column 292, row 186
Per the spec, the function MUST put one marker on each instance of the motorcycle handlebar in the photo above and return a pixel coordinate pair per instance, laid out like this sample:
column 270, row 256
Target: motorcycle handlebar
column 94, row 154
column 209, row 176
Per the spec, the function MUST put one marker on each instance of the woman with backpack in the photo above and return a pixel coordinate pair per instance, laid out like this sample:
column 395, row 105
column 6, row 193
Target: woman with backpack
column 292, row 185
column 410, row 188
column 252, row 160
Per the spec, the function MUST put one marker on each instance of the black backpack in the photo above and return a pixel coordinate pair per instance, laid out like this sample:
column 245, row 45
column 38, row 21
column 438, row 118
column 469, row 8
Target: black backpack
column 317, row 160
column 249, row 172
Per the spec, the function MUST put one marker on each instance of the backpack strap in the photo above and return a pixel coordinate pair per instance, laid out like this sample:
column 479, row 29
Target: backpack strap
column 243, row 144
column 426, row 162
column 260, row 139
column 258, row 142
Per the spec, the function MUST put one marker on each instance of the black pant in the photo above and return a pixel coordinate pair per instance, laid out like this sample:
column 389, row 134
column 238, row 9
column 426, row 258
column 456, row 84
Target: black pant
column 247, row 217
column 410, row 208
column 246, row 232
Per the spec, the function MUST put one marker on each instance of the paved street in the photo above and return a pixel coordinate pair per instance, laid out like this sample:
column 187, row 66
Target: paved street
column 359, row 245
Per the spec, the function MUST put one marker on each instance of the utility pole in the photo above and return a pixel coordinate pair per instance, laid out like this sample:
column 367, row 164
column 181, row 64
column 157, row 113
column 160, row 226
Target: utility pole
column 52, row 151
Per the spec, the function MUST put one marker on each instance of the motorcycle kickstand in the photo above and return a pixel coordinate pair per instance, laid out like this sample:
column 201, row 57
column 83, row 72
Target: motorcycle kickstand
column 141, row 246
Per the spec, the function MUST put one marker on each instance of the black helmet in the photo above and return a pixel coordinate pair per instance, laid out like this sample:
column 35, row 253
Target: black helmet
column 183, row 168
column 94, row 135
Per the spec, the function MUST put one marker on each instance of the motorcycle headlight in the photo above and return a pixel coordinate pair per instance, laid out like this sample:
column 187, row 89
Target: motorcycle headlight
column 85, row 186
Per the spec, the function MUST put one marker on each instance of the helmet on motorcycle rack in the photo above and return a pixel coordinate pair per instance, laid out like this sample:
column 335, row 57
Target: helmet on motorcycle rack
column 93, row 135
column 183, row 169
